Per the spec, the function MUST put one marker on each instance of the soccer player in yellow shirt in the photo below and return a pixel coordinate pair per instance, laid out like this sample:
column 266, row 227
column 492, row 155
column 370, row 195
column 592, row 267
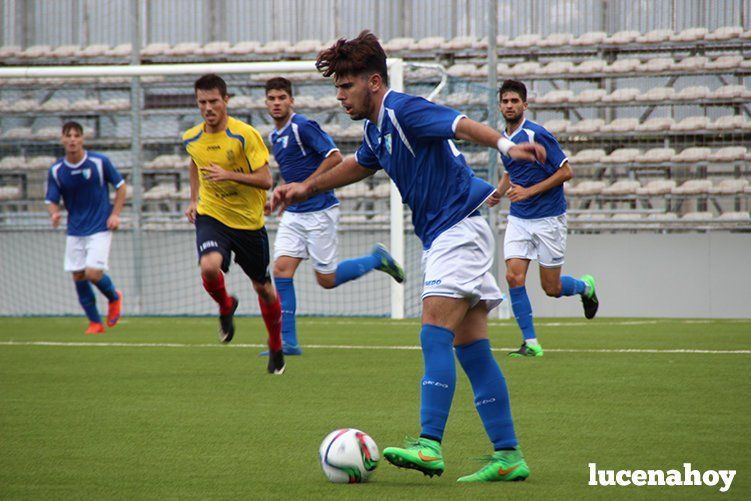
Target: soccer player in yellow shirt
column 229, row 176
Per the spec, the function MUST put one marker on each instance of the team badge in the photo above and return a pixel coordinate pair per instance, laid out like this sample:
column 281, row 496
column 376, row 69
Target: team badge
column 86, row 173
column 284, row 140
column 387, row 142
column 231, row 156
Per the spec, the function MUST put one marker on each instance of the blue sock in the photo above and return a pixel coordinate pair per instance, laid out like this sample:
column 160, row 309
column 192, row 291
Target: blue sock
column 286, row 289
column 491, row 394
column 355, row 268
column 522, row 311
column 571, row 286
column 439, row 381
column 87, row 300
column 107, row 288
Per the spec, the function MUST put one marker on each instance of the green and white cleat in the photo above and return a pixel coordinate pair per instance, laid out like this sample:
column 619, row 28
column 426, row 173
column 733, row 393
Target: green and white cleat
column 420, row 454
column 527, row 350
column 589, row 298
column 503, row 466
column 387, row 263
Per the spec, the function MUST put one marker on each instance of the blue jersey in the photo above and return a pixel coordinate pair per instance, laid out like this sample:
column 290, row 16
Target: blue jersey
column 413, row 143
column 548, row 203
column 85, row 191
column 299, row 148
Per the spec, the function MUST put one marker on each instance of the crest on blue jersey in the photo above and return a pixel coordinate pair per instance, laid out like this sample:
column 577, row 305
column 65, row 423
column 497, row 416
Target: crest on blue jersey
column 86, row 173
column 284, row 140
column 387, row 142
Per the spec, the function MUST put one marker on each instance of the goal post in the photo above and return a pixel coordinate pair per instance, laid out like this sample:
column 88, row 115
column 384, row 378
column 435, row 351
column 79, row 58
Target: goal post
column 133, row 81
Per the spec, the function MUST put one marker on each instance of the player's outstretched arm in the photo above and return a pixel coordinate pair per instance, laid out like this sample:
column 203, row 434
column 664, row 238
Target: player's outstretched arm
column 346, row 172
column 113, row 221
column 475, row 132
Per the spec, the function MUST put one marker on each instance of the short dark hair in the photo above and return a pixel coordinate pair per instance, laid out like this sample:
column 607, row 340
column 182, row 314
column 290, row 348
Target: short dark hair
column 360, row 55
column 209, row 82
column 513, row 86
column 279, row 83
column 67, row 126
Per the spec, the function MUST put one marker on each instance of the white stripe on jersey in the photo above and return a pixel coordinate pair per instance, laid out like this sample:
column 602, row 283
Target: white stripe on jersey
column 100, row 169
column 392, row 116
column 296, row 132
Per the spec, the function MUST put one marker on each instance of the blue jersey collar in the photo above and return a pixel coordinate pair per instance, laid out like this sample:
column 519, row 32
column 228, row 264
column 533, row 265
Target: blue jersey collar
column 382, row 111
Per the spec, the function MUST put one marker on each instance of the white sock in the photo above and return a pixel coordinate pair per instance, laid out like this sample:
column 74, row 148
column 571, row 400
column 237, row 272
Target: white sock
column 532, row 342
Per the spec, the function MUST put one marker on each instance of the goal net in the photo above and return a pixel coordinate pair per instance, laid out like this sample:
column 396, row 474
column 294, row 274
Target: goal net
column 136, row 115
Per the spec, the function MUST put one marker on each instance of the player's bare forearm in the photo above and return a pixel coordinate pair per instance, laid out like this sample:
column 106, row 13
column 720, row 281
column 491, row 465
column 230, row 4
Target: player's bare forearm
column 475, row 132
column 504, row 183
column 346, row 172
column 328, row 163
column 259, row 178
column 53, row 209
column 119, row 203
column 561, row 176
column 194, row 182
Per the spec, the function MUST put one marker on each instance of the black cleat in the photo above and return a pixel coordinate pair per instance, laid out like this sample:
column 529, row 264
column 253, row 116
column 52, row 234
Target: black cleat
column 589, row 301
column 227, row 323
column 276, row 363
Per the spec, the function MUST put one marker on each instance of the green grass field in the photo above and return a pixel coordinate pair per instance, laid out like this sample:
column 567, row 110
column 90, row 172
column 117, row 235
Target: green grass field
column 158, row 409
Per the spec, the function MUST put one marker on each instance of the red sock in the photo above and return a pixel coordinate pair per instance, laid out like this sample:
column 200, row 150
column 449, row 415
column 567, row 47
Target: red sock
column 272, row 317
column 217, row 290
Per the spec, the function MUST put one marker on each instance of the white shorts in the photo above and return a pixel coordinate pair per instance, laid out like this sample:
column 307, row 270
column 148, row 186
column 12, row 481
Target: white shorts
column 458, row 264
column 92, row 251
column 309, row 235
column 542, row 239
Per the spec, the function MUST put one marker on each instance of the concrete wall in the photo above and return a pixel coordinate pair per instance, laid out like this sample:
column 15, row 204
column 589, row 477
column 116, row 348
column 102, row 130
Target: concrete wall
column 703, row 275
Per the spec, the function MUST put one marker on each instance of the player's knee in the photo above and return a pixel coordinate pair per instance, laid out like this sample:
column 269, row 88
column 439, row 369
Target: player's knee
column 209, row 269
column 78, row 276
column 93, row 275
column 515, row 279
column 326, row 281
column 552, row 290
column 265, row 291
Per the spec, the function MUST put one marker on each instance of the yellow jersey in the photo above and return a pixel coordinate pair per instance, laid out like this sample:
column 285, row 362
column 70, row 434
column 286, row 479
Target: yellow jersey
column 238, row 148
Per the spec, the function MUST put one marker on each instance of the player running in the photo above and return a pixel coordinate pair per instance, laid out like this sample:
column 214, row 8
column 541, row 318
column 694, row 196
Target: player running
column 536, row 226
column 412, row 140
column 308, row 229
column 82, row 178
column 229, row 176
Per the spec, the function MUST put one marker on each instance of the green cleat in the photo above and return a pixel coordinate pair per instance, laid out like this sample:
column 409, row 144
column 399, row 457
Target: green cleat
column 422, row 454
column 503, row 466
column 387, row 263
column 589, row 298
column 527, row 351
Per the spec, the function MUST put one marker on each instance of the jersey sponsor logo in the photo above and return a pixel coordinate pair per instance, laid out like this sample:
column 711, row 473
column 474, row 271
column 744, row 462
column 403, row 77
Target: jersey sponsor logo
column 387, row 142
column 214, row 147
column 208, row 244
column 432, row 283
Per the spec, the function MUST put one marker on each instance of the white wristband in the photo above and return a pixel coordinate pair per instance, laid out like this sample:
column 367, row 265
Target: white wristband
column 504, row 145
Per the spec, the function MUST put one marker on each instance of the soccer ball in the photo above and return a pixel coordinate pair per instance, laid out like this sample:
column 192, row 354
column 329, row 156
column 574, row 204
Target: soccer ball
column 348, row 456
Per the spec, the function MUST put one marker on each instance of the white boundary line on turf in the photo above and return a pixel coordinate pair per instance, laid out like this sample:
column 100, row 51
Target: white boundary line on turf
column 510, row 322
column 75, row 344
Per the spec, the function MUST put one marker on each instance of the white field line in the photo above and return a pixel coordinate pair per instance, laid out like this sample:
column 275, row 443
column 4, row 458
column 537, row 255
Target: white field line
column 352, row 347
column 512, row 323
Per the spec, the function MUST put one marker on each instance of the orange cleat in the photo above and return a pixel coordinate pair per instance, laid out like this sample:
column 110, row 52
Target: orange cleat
column 95, row 328
column 113, row 312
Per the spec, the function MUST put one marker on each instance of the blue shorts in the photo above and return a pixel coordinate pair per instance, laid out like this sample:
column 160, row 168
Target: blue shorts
column 251, row 247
